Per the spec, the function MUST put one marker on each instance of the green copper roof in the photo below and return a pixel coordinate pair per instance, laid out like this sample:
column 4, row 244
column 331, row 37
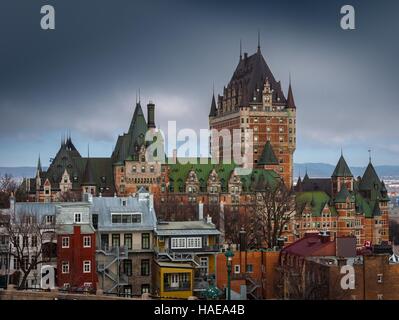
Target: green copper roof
column 316, row 200
column 203, row 167
column 129, row 144
column 362, row 206
column 342, row 169
column 268, row 157
column 343, row 195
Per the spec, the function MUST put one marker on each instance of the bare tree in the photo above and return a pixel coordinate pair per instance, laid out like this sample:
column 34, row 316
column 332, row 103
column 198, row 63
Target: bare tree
column 272, row 210
column 31, row 243
column 8, row 186
column 70, row 196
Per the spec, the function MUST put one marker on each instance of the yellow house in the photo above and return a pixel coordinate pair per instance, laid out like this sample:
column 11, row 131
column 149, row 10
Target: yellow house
column 173, row 280
column 185, row 254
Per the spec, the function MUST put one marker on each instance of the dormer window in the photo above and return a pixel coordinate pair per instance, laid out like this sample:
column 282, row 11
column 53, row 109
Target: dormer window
column 49, row 219
column 75, row 178
column 134, row 169
column 103, row 179
column 78, row 218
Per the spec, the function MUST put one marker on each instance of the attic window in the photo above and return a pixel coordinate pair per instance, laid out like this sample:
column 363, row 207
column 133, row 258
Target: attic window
column 103, row 179
column 75, row 178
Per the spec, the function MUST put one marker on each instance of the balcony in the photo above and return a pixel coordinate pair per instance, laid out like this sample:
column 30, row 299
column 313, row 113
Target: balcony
column 210, row 248
column 121, row 251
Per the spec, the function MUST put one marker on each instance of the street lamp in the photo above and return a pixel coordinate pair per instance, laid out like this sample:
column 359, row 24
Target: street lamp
column 229, row 258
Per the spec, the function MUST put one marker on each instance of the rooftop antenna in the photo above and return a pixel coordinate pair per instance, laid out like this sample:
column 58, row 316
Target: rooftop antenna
column 136, row 96
column 342, row 152
column 369, row 155
column 258, row 40
column 139, row 96
column 240, row 49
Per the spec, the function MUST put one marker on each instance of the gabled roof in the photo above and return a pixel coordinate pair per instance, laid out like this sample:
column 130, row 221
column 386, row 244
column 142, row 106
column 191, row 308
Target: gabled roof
column 203, row 168
column 342, row 169
column 213, row 111
column 316, row 200
column 268, row 156
column 311, row 245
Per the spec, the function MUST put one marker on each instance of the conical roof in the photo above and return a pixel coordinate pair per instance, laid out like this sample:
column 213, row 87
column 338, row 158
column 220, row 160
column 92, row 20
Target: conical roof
column 290, row 98
column 370, row 179
column 342, row 169
column 39, row 165
column 213, row 111
column 88, row 176
column 268, row 157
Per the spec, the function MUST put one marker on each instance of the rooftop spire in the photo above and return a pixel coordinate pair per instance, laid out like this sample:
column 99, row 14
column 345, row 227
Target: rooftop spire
column 290, row 97
column 39, row 165
column 258, row 40
column 240, row 49
column 369, row 155
column 213, row 111
column 88, row 175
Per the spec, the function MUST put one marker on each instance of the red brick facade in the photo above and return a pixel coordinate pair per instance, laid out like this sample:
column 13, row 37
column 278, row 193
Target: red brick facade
column 76, row 262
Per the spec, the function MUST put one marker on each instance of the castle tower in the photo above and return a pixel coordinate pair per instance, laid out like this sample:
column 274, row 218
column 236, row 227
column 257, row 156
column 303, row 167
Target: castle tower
column 341, row 176
column 254, row 100
column 88, row 182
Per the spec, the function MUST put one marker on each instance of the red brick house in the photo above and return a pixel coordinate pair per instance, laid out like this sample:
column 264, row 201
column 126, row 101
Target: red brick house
column 76, row 265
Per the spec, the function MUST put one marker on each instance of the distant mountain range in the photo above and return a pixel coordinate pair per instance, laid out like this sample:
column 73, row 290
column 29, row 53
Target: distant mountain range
column 320, row 170
column 324, row 170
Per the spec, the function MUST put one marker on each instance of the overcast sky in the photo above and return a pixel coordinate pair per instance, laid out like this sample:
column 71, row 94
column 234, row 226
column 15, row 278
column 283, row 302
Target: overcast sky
column 84, row 75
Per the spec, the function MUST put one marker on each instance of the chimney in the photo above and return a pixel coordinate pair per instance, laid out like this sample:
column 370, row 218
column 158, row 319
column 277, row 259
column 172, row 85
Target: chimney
column 200, row 211
column 245, row 55
column 151, row 114
column 151, row 202
column 88, row 197
column 243, row 240
column 208, row 219
column 324, row 236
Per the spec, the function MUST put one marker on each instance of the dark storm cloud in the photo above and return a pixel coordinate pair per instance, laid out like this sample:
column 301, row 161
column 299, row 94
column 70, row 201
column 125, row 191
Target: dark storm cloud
column 84, row 75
